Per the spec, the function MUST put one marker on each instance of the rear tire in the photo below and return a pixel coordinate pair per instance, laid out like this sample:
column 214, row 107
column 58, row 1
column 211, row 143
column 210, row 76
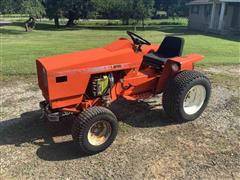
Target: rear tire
column 186, row 96
column 95, row 129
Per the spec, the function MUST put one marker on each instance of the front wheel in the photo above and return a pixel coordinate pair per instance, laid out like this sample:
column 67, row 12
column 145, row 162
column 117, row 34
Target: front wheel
column 186, row 96
column 95, row 129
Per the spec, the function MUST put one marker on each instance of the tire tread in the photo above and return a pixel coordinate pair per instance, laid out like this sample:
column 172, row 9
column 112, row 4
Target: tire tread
column 174, row 91
column 83, row 120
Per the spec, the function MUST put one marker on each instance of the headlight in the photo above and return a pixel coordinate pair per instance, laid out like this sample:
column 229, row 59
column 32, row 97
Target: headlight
column 175, row 67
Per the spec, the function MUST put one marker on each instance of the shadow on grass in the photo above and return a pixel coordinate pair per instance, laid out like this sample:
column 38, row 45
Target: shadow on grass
column 173, row 29
column 39, row 26
column 31, row 130
column 6, row 31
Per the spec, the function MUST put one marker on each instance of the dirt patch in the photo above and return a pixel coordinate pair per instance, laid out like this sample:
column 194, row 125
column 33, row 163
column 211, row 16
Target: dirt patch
column 149, row 145
column 233, row 70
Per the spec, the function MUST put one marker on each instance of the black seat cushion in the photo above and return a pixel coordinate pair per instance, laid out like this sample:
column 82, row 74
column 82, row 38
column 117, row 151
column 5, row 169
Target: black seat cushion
column 152, row 59
column 170, row 47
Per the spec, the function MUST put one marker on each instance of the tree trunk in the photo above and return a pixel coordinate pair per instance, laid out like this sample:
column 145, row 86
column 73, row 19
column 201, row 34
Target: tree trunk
column 125, row 21
column 135, row 28
column 56, row 22
column 143, row 24
column 70, row 22
column 71, row 17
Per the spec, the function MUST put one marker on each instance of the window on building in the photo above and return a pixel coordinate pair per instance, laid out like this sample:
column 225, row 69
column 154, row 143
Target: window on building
column 207, row 10
column 195, row 9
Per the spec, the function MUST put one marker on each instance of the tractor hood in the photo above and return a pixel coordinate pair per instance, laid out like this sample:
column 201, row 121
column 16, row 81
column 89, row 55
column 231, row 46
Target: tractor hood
column 116, row 53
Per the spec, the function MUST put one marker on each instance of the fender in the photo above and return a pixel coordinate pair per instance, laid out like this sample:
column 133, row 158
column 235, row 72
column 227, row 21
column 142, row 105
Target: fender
column 186, row 62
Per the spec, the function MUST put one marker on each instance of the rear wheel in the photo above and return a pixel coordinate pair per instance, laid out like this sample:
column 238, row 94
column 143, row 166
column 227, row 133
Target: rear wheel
column 95, row 129
column 186, row 96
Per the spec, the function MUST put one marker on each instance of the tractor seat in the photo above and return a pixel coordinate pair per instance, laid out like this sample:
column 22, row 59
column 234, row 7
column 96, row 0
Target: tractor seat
column 169, row 48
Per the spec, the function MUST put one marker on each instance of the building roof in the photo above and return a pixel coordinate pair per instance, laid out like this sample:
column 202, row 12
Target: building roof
column 199, row 2
column 230, row 1
column 196, row 2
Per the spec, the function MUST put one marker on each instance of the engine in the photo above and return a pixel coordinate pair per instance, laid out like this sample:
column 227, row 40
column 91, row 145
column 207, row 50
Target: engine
column 100, row 85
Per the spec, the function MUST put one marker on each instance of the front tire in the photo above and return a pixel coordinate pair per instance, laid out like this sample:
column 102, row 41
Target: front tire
column 95, row 129
column 186, row 96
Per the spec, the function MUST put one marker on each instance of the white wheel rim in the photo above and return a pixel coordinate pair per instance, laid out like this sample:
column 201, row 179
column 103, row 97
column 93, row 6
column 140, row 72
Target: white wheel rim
column 99, row 133
column 194, row 99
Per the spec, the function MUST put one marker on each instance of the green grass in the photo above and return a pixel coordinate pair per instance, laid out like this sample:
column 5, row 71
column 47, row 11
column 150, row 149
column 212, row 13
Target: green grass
column 19, row 49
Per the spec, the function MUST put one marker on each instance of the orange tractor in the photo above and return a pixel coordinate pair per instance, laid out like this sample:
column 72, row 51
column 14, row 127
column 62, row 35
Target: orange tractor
column 84, row 84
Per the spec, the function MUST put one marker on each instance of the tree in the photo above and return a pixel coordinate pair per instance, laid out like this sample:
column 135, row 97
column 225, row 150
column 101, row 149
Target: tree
column 7, row 6
column 54, row 10
column 31, row 7
column 125, row 9
column 71, row 9
column 107, row 9
column 142, row 10
column 34, row 8
column 77, row 9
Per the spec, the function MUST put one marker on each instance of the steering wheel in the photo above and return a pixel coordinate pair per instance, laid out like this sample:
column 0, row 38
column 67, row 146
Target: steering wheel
column 137, row 40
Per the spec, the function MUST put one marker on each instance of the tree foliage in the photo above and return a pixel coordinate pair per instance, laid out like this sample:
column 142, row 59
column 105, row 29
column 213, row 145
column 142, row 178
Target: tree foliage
column 71, row 9
column 8, row 7
column 108, row 9
column 142, row 9
column 55, row 10
column 137, row 10
column 172, row 7
column 76, row 9
column 125, row 9
column 31, row 7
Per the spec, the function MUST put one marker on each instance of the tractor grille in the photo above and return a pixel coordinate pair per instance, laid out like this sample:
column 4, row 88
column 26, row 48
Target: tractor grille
column 42, row 79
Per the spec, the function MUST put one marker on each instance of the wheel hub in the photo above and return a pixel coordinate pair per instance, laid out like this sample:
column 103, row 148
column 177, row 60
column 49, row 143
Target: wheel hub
column 194, row 99
column 99, row 133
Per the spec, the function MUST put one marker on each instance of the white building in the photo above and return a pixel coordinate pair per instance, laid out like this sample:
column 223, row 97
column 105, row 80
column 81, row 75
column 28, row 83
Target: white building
column 219, row 16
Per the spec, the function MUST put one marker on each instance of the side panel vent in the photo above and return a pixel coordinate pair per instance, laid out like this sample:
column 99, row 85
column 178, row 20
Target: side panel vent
column 61, row 79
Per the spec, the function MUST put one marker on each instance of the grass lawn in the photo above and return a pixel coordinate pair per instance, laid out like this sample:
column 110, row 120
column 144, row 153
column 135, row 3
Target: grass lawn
column 20, row 49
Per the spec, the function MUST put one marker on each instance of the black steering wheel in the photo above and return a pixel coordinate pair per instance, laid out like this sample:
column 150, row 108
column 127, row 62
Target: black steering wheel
column 138, row 40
